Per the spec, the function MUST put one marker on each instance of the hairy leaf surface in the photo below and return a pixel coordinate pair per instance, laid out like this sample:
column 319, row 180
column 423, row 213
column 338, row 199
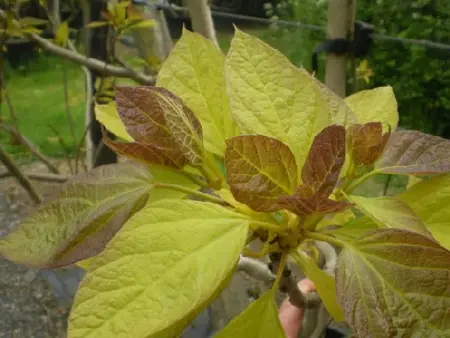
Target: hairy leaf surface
column 270, row 96
column 430, row 200
column 325, row 160
column 325, row 285
column 88, row 212
column 259, row 320
column 108, row 116
column 194, row 71
column 161, row 269
column 366, row 142
column 390, row 212
column 395, row 283
column 375, row 105
column 413, row 152
column 260, row 170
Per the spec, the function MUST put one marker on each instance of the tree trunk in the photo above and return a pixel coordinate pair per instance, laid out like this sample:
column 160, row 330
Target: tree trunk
column 201, row 18
column 340, row 26
column 97, row 154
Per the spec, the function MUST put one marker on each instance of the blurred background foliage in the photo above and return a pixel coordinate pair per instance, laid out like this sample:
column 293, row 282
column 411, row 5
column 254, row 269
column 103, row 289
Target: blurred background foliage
column 420, row 76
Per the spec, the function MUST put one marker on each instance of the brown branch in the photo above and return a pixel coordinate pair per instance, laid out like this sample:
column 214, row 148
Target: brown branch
column 17, row 173
column 289, row 285
column 39, row 177
column 31, row 147
column 95, row 65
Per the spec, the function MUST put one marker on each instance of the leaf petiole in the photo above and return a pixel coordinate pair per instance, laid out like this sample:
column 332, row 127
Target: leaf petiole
column 196, row 193
column 195, row 179
column 360, row 180
column 324, row 238
column 280, row 271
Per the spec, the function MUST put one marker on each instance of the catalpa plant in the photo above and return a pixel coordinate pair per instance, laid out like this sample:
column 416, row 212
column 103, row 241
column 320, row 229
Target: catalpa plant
column 240, row 149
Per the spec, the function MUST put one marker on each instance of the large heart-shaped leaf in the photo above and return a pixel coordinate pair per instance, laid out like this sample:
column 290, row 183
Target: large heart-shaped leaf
column 259, row 320
column 375, row 105
column 430, row 200
column 395, row 283
column 161, row 269
column 194, row 71
column 87, row 213
column 390, row 212
column 415, row 153
column 270, row 96
column 260, row 170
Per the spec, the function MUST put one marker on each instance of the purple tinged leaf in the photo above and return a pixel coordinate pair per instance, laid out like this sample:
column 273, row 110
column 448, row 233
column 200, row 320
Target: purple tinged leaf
column 325, row 160
column 260, row 170
column 395, row 283
column 415, row 153
column 366, row 142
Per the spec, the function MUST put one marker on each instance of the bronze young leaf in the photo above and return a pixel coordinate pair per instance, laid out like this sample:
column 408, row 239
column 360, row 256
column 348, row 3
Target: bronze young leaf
column 260, row 170
column 415, row 153
column 159, row 121
column 148, row 153
column 142, row 115
column 307, row 202
column 320, row 174
column 183, row 125
column 366, row 142
column 325, row 160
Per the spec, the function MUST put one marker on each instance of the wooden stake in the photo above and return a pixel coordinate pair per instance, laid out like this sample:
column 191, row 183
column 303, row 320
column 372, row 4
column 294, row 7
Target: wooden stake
column 341, row 21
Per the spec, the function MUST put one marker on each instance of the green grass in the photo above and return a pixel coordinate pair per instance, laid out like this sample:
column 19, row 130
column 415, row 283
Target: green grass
column 38, row 100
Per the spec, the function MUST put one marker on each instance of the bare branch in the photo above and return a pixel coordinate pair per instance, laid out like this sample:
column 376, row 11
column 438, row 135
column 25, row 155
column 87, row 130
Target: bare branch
column 17, row 173
column 255, row 269
column 289, row 285
column 40, row 177
column 95, row 65
column 31, row 147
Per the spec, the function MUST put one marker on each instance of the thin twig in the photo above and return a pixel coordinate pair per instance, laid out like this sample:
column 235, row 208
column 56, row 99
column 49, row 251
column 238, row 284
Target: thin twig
column 40, row 177
column 14, row 169
column 66, row 103
column 80, row 145
column 31, row 147
column 63, row 147
column 91, row 63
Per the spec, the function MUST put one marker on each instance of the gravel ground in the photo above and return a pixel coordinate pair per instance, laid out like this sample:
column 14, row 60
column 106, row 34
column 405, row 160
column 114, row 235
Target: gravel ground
column 28, row 307
column 35, row 303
